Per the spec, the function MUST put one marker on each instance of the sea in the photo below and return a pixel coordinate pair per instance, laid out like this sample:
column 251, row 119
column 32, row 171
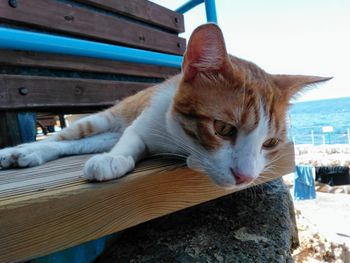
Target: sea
column 320, row 122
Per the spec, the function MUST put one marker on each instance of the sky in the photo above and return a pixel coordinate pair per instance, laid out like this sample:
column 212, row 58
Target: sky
column 309, row 37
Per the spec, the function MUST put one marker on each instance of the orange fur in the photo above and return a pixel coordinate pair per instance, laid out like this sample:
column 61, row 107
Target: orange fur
column 234, row 100
column 225, row 115
column 130, row 108
column 217, row 86
column 213, row 86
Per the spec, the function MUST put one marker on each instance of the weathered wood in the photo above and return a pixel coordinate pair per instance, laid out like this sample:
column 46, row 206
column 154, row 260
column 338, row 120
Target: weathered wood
column 44, row 209
column 143, row 10
column 46, row 119
column 82, row 64
column 9, row 129
column 45, row 92
column 82, row 22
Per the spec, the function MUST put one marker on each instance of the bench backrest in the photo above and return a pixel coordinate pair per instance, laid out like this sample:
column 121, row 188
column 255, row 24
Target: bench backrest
column 33, row 80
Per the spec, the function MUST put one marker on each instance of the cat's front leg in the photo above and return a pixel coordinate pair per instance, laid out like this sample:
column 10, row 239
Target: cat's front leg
column 39, row 152
column 119, row 161
column 25, row 155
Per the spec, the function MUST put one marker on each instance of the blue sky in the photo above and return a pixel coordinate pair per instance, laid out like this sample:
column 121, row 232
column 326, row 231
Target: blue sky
column 287, row 37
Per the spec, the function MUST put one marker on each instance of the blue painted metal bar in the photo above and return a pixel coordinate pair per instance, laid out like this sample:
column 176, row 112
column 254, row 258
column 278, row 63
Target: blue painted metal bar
column 188, row 6
column 210, row 9
column 33, row 41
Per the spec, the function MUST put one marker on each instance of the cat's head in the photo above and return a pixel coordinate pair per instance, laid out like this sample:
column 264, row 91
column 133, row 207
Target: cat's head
column 230, row 112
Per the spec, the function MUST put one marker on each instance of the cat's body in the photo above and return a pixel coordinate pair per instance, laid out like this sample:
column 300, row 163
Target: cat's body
column 225, row 115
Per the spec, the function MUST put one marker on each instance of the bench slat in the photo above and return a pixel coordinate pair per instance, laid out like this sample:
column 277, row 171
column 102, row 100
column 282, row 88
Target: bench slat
column 143, row 10
column 44, row 92
column 41, row 218
column 82, row 64
column 77, row 21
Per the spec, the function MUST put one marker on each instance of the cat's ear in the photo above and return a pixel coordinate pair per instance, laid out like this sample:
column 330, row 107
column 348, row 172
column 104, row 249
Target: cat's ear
column 205, row 53
column 291, row 85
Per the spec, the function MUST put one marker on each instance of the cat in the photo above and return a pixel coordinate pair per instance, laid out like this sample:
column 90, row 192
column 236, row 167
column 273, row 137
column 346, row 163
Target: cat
column 225, row 115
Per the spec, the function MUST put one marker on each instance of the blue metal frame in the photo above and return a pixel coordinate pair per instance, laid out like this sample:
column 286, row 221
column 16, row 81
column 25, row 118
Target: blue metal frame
column 210, row 9
column 32, row 41
column 188, row 6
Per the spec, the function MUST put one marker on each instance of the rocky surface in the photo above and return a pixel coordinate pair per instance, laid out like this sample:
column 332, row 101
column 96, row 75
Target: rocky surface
column 324, row 231
column 254, row 225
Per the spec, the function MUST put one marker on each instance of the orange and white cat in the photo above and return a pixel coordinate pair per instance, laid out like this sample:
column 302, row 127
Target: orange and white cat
column 225, row 115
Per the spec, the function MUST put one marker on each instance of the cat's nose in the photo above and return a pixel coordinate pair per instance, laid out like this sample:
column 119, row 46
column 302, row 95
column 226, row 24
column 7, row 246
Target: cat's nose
column 242, row 178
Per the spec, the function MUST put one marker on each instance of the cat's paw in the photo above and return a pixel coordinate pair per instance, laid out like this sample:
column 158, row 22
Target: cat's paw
column 19, row 157
column 104, row 167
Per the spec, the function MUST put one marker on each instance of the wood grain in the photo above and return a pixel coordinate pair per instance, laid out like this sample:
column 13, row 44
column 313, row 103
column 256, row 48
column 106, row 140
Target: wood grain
column 77, row 21
column 143, row 10
column 82, row 64
column 49, row 208
column 46, row 92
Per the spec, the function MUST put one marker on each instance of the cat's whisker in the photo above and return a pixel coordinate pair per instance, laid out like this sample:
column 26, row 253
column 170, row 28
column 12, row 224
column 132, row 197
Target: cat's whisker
column 196, row 155
column 170, row 155
column 177, row 139
column 171, row 138
column 277, row 158
column 272, row 164
column 180, row 145
column 271, row 172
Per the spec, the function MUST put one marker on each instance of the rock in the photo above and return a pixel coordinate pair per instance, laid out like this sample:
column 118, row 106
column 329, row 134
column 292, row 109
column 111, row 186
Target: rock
column 253, row 225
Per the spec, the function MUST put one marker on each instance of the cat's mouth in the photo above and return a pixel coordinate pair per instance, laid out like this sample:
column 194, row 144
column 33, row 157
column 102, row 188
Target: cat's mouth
column 241, row 178
column 227, row 178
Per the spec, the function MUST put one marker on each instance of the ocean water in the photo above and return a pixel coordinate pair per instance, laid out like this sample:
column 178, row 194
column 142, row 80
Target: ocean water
column 306, row 121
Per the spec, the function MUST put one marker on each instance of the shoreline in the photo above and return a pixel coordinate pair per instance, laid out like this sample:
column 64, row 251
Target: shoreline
column 322, row 155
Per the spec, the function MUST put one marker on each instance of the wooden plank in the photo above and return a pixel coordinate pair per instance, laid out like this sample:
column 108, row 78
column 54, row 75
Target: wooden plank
column 53, row 208
column 45, row 92
column 73, row 20
column 82, row 64
column 9, row 129
column 143, row 10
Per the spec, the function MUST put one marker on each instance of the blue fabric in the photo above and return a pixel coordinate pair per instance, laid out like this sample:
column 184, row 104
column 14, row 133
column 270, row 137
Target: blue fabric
column 84, row 253
column 304, row 182
column 27, row 126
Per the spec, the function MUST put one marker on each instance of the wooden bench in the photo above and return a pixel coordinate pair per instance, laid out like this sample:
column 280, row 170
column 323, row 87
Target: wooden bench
column 51, row 207
column 66, row 84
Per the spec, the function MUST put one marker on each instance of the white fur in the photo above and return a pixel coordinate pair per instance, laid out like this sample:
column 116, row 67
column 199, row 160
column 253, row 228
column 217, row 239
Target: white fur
column 147, row 132
column 36, row 153
column 100, row 122
column 155, row 131
column 245, row 157
column 249, row 157
column 120, row 160
column 104, row 167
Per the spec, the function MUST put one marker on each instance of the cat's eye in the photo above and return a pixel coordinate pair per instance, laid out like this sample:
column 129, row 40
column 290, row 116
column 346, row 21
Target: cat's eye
column 271, row 143
column 224, row 129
